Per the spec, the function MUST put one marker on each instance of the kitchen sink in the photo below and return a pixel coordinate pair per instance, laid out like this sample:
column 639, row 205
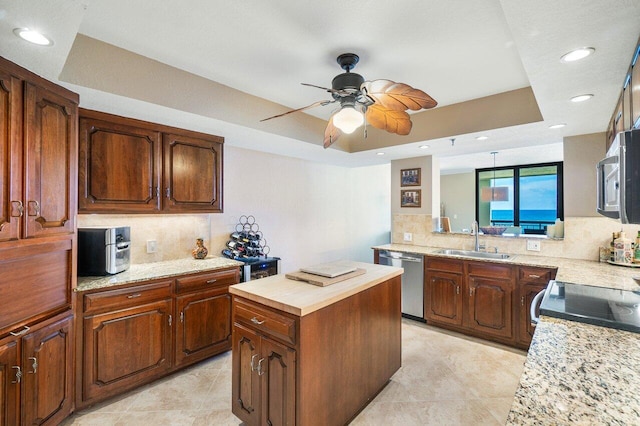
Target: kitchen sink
column 476, row 254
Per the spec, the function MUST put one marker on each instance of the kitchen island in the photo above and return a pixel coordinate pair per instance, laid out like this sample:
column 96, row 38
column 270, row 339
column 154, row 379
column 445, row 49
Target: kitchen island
column 311, row 355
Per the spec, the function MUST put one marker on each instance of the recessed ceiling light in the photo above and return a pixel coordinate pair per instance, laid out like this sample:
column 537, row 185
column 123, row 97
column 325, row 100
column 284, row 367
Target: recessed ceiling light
column 582, row 98
column 482, row 138
column 424, row 146
column 557, row 126
column 576, row 55
column 379, row 153
column 33, row 36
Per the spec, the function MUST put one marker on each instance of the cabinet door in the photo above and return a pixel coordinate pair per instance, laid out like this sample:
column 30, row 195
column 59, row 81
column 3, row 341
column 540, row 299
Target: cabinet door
column 50, row 151
column 277, row 367
column 11, row 205
column 125, row 348
column 635, row 95
column 192, row 174
column 490, row 306
column 10, row 378
column 119, row 168
column 245, row 386
column 527, row 292
column 443, row 297
column 47, row 376
column 204, row 326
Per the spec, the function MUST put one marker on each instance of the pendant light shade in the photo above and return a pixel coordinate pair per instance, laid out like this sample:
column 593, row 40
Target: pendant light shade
column 494, row 193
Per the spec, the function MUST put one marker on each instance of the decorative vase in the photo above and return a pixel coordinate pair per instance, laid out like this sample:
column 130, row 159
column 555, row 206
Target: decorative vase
column 200, row 252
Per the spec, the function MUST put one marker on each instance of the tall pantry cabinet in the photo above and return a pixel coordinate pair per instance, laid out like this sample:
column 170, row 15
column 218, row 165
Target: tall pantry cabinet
column 38, row 204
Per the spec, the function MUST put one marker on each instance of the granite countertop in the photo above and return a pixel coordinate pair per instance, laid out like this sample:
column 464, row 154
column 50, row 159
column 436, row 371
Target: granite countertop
column 149, row 271
column 578, row 373
column 576, row 271
column 301, row 298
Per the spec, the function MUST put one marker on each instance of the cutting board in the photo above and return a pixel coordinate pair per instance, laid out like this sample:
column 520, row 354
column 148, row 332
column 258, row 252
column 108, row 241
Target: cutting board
column 321, row 281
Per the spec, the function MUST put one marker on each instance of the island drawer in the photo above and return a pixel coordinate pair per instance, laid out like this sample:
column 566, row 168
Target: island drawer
column 261, row 318
column 127, row 297
column 533, row 274
column 208, row 279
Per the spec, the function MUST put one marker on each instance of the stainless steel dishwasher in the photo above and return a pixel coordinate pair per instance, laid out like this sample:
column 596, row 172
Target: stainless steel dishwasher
column 412, row 281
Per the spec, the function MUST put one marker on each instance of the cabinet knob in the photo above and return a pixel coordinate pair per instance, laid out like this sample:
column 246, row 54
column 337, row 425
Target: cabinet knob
column 457, row 289
column 17, row 206
column 18, row 374
column 170, row 320
column 260, row 370
column 34, row 206
column 34, row 365
column 21, row 332
column 522, row 301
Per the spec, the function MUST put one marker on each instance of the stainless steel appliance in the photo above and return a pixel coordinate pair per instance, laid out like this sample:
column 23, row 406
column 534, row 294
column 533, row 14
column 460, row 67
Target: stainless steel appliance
column 618, row 179
column 103, row 251
column 412, row 281
column 260, row 268
column 601, row 306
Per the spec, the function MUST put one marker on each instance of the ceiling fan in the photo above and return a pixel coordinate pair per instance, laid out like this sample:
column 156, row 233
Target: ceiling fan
column 383, row 103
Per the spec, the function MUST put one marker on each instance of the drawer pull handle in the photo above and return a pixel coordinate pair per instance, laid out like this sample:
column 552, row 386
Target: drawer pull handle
column 34, row 365
column 133, row 296
column 257, row 321
column 457, row 289
column 260, row 371
column 253, row 357
column 212, row 281
column 21, row 332
column 18, row 374
column 534, row 276
column 522, row 301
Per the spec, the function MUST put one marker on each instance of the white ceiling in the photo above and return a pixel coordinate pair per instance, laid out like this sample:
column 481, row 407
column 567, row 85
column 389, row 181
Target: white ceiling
column 455, row 50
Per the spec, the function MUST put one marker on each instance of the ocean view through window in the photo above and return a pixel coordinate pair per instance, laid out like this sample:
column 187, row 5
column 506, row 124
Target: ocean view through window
column 535, row 197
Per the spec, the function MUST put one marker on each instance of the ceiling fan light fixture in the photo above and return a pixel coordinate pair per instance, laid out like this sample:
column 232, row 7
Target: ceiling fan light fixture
column 348, row 119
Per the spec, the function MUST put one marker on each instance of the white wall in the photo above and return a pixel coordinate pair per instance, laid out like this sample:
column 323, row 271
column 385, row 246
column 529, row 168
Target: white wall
column 308, row 212
column 457, row 193
column 581, row 154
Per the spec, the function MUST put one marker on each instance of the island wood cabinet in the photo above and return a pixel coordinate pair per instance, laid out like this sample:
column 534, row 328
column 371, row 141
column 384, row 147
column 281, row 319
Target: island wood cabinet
column 483, row 299
column 321, row 368
column 135, row 334
column 36, row 377
column 133, row 166
column 263, row 387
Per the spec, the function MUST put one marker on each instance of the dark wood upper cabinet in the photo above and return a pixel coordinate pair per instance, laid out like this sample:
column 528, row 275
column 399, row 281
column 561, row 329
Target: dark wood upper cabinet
column 192, row 174
column 133, row 166
column 120, row 166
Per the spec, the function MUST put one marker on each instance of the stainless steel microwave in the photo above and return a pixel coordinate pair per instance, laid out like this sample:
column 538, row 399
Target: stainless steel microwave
column 618, row 179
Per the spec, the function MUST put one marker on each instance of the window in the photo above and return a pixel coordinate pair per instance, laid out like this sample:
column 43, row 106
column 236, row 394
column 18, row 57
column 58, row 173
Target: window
column 534, row 201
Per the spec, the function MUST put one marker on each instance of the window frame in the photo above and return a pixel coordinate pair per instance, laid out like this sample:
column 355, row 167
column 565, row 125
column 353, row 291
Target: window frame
column 516, row 189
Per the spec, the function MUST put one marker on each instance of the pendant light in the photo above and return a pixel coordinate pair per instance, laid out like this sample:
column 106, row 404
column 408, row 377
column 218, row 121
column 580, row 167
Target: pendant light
column 494, row 193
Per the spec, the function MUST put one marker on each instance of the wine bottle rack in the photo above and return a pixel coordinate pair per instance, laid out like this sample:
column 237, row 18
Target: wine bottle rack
column 247, row 243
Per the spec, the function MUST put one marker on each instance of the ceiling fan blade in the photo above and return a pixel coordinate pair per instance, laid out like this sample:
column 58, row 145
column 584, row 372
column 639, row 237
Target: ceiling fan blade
column 315, row 104
column 331, row 134
column 393, row 121
column 397, row 96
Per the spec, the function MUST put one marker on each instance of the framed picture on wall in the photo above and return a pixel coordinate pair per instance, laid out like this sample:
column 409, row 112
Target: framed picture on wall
column 410, row 197
column 410, row 177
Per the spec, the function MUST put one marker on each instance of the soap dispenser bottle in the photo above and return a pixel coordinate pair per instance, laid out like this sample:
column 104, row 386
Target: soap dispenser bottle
column 623, row 253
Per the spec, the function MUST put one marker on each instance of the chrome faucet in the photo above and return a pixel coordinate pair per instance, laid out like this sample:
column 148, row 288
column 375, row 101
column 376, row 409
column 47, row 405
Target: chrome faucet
column 474, row 230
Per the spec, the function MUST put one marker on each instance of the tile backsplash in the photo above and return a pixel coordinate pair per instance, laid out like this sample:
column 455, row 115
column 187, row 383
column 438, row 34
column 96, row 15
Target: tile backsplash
column 583, row 236
column 175, row 234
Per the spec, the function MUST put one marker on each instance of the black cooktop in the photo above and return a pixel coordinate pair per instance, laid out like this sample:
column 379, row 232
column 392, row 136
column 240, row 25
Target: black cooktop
column 602, row 306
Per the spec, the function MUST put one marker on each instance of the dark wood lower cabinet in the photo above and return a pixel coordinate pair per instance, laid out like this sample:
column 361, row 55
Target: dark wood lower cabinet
column 132, row 335
column 36, row 374
column 485, row 299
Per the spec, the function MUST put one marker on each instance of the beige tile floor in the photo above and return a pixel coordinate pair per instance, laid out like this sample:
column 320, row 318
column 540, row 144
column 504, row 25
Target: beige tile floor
column 445, row 379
